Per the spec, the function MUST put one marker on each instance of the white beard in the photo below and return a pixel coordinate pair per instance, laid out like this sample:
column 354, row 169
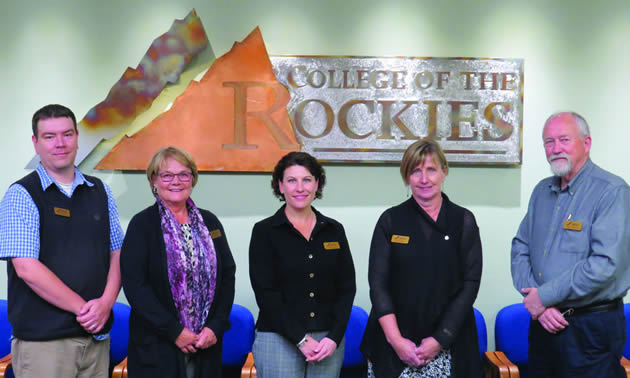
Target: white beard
column 560, row 167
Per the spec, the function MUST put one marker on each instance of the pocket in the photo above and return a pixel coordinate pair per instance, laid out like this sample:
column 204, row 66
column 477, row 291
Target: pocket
column 576, row 242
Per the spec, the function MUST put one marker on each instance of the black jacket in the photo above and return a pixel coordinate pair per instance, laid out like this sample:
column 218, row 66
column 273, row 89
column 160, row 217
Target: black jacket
column 153, row 323
column 427, row 273
column 301, row 285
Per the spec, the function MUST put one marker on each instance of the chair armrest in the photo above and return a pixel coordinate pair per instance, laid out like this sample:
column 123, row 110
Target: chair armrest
column 495, row 367
column 249, row 370
column 514, row 373
column 120, row 370
column 626, row 366
column 5, row 365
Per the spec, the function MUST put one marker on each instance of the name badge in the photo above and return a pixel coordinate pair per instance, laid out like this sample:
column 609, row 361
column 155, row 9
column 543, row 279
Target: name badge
column 62, row 212
column 572, row 225
column 400, row 239
column 215, row 233
column 331, row 245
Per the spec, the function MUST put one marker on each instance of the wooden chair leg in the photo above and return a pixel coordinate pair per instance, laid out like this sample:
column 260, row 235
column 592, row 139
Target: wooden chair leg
column 5, row 365
column 120, row 370
column 494, row 367
column 249, row 369
column 626, row 366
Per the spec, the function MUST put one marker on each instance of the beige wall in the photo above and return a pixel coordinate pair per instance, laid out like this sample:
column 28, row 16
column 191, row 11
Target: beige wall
column 575, row 53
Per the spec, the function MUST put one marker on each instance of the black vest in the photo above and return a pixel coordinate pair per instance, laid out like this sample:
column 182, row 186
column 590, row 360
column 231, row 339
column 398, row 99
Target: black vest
column 74, row 245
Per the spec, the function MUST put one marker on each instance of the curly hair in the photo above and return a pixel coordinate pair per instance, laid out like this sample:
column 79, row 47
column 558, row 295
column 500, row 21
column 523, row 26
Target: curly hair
column 302, row 159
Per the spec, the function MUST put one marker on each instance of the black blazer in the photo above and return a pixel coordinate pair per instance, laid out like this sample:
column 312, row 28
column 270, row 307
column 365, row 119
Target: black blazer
column 301, row 285
column 427, row 273
column 153, row 323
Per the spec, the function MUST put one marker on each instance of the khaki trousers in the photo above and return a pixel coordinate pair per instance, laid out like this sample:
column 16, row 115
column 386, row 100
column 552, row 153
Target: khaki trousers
column 75, row 357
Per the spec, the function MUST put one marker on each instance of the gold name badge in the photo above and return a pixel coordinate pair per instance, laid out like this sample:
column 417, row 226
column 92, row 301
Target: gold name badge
column 215, row 233
column 400, row 239
column 572, row 225
column 331, row 245
column 62, row 212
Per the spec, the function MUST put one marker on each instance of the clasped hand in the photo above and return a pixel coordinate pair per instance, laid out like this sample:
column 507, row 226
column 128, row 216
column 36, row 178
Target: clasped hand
column 190, row 342
column 550, row 318
column 415, row 356
column 93, row 315
column 315, row 351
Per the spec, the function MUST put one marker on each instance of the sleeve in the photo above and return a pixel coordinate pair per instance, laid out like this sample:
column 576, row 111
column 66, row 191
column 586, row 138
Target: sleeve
column 267, row 288
column 134, row 268
column 379, row 268
column 116, row 234
column 223, row 300
column 19, row 224
column 471, row 262
column 522, row 274
column 346, row 289
column 610, row 242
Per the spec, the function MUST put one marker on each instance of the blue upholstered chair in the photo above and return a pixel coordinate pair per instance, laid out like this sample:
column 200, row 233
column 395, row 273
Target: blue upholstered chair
column 354, row 364
column 511, row 331
column 482, row 332
column 354, row 335
column 5, row 341
column 626, row 353
column 119, row 335
column 492, row 367
column 238, row 340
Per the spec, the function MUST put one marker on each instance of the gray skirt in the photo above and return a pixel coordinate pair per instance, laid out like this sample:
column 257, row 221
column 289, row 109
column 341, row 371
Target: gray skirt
column 276, row 357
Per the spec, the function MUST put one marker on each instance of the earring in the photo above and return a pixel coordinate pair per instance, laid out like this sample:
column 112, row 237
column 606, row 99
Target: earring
column 154, row 190
column 407, row 190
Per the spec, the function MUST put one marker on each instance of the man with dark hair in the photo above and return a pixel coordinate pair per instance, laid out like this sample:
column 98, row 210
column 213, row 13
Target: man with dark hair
column 571, row 259
column 61, row 238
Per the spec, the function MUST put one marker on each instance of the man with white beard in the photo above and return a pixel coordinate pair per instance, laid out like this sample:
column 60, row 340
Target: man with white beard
column 571, row 259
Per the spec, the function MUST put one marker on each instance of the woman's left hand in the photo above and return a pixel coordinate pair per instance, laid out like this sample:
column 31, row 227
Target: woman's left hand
column 325, row 349
column 428, row 349
column 207, row 338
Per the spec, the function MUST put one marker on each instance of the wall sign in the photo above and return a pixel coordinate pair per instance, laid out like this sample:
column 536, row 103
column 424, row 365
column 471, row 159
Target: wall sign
column 368, row 109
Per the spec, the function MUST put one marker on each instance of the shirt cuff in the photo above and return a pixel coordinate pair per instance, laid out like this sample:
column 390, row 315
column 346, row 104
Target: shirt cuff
column 546, row 296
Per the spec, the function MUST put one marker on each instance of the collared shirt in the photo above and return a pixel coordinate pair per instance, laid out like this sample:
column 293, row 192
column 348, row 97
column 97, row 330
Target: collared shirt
column 574, row 242
column 301, row 285
column 19, row 217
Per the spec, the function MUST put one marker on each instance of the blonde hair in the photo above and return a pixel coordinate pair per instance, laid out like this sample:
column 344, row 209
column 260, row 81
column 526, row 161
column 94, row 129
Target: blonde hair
column 171, row 152
column 417, row 153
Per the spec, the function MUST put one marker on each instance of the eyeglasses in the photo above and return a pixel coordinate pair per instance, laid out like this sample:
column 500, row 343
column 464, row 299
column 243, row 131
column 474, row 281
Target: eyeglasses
column 182, row 176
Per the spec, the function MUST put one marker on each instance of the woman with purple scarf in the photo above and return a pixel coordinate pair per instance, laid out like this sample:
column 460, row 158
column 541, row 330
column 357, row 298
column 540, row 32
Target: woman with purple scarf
column 178, row 276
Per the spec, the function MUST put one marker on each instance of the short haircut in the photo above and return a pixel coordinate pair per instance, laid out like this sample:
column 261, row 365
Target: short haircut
column 171, row 152
column 417, row 153
column 583, row 127
column 302, row 159
column 52, row 111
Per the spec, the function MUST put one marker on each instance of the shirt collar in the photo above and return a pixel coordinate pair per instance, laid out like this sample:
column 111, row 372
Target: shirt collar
column 441, row 221
column 47, row 180
column 575, row 182
column 280, row 217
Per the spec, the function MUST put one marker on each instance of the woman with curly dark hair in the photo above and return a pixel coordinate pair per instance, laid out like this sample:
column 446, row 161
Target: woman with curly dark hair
column 302, row 274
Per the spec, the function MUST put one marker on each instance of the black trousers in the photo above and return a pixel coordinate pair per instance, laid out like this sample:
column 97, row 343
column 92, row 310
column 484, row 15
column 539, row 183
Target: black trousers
column 590, row 346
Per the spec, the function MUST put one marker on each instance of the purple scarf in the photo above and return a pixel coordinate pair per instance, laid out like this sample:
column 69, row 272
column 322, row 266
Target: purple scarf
column 193, row 277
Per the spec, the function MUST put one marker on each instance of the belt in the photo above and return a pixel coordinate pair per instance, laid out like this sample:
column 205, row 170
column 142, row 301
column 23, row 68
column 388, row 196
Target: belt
column 592, row 308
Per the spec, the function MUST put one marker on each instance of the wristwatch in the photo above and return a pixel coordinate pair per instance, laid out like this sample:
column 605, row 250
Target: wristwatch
column 302, row 342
